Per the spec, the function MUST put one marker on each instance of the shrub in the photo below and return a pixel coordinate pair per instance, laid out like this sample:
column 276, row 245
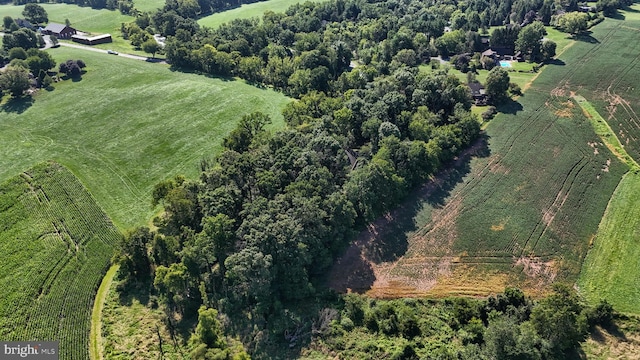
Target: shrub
column 489, row 113
column 514, row 89
column 601, row 314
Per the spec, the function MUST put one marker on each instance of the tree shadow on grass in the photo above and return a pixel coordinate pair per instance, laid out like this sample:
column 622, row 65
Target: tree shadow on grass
column 617, row 15
column 510, row 107
column 18, row 105
column 199, row 72
column 387, row 238
column 557, row 62
column 136, row 291
column 586, row 37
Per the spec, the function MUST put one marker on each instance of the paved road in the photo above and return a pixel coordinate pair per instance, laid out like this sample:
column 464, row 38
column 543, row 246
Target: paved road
column 48, row 43
column 129, row 56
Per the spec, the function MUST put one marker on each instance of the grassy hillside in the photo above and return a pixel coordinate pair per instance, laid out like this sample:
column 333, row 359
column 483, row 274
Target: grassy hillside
column 247, row 11
column 56, row 244
column 86, row 20
column 610, row 271
column 525, row 204
column 148, row 5
column 82, row 18
column 127, row 125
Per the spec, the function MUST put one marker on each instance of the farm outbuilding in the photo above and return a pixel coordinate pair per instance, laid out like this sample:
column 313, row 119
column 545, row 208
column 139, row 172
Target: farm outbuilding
column 92, row 40
column 60, row 31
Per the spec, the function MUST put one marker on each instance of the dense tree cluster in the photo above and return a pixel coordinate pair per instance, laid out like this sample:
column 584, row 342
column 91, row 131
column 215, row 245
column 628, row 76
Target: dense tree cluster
column 312, row 45
column 22, row 38
column 258, row 231
column 505, row 326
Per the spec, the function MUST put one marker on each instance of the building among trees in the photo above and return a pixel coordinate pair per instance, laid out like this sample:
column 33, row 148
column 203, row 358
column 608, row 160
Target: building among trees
column 60, row 31
column 478, row 93
column 23, row 23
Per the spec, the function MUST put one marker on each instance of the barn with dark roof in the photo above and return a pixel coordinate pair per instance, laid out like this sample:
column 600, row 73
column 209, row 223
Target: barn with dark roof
column 60, row 31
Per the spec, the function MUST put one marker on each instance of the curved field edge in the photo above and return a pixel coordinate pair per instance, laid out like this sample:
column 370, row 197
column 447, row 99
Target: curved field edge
column 96, row 314
column 126, row 126
column 58, row 244
column 610, row 270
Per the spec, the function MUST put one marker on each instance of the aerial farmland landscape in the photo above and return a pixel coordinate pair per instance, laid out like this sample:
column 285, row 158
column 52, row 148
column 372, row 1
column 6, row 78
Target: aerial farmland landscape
column 342, row 179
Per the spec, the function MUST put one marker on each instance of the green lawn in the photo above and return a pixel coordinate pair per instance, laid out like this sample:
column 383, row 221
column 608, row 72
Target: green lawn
column 127, row 125
column 610, row 270
column 56, row 244
column 247, row 11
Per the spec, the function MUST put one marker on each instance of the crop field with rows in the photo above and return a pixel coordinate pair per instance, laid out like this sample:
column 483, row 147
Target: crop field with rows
column 56, row 244
column 524, row 205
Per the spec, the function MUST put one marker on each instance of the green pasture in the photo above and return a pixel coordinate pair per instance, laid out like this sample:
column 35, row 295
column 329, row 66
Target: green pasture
column 81, row 18
column 610, row 270
column 247, row 11
column 127, row 125
column 148, row 5
column 56, row 244
column 87, row 20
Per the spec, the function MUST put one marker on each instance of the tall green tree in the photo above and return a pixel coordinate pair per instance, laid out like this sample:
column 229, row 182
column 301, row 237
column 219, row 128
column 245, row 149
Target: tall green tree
column 7, row 22
column 23, row 38
column 560, row 322
column 529, row 40
column 497, row 85
column 35, row 13
column 151, row 46
column 573, row 22
column 249, row 128
column 15, row 80
column 134, row 261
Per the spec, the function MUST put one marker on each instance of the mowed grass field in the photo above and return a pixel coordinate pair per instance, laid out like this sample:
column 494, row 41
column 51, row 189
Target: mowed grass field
column 148, row 5
column 127, row 125
column 523, row 207
column 611, row 269
column 56, row 244
column 247, row 11
column 81, row 18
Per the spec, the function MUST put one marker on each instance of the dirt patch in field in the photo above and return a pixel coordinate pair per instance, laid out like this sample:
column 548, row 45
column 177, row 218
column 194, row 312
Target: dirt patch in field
column 561, row 90
column 378, row 261
column 565, row 110
column 539, row 269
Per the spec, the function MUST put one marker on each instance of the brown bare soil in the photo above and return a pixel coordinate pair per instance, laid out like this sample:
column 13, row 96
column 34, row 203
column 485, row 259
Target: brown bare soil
column 367, row 265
